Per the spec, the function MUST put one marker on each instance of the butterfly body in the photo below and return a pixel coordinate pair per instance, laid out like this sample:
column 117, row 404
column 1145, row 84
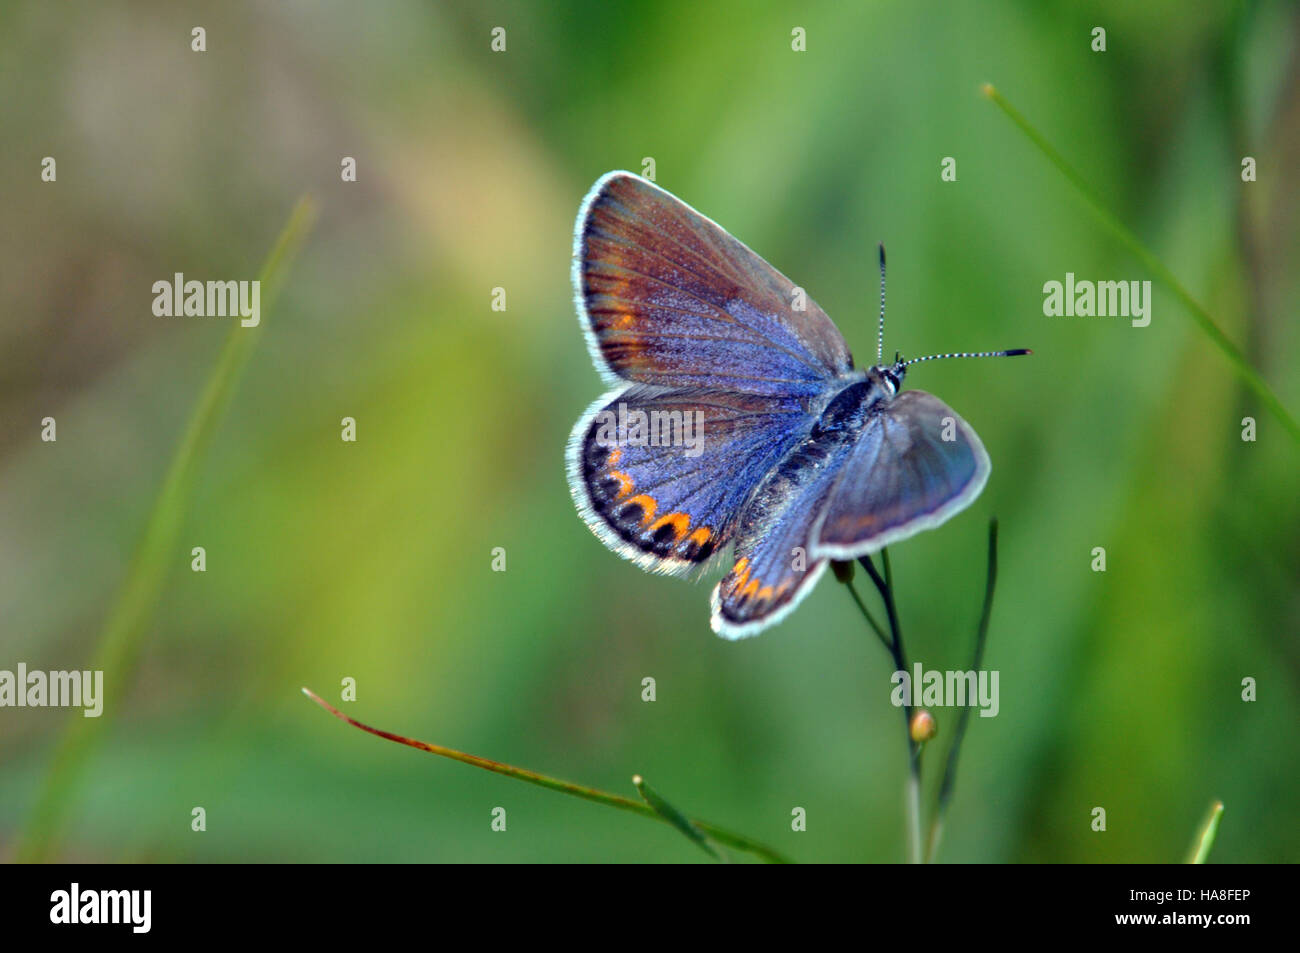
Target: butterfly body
column 737, row 418
column 852, row 406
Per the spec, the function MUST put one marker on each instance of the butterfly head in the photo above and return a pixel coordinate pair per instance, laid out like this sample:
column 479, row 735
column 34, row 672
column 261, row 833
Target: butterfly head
column 888, row 378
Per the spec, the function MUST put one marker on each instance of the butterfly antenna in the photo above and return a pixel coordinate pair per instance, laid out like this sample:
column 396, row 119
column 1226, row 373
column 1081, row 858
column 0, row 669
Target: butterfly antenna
column 935, row 357
column 880, row 335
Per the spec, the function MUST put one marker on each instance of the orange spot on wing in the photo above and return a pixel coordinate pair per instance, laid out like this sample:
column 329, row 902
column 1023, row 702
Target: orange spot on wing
column 614, row 456
column 680, row 523
column 648, row 506
column 739, row 573
column 751, row 588
column 625, row 483
column 701, row 536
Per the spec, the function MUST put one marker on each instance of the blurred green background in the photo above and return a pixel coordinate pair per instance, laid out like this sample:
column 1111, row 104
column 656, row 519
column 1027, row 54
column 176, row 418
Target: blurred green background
column 372, row 560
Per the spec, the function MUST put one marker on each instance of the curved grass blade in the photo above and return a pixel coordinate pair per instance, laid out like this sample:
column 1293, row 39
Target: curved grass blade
column 1203, row 320
column 718, row 834
column 124, row 628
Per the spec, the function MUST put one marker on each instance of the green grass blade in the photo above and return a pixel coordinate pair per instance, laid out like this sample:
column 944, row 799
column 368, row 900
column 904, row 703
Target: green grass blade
column 1199, row 315
column 1209, row 831
column 673, row 816
column 949, row 781
column 120, row 640
column 718, row 834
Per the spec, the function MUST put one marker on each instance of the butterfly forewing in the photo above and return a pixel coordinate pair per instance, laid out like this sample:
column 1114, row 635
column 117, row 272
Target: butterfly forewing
column 667, row 297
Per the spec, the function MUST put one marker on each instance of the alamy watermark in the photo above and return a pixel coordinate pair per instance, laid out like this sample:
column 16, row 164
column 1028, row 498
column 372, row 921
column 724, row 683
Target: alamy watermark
column 131, row 908
column 36, row 689
column 210, row 299
column 936, row 689
column 1101, row 299
column 630, row 427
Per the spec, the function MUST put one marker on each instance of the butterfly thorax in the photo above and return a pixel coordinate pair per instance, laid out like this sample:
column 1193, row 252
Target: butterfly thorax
column 859, row 400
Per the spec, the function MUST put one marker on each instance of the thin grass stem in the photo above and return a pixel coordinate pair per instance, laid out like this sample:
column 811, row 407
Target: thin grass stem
column 718, row 834
column 1200, row 316
column 121, row 638
column 885, row 587
column 981, row 638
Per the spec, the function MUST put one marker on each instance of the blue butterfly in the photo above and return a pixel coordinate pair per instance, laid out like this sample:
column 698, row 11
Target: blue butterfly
column 736, row 416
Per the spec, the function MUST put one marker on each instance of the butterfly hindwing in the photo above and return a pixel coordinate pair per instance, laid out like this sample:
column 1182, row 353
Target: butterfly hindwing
column 915, row 464
column 667, row 297
column 661, row 475
column 775, row 562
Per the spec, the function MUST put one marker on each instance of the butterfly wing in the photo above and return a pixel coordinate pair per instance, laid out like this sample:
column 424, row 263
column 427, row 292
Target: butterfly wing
column 776, row 565
column 915, row 464
column 661, row 475
column 666, row 297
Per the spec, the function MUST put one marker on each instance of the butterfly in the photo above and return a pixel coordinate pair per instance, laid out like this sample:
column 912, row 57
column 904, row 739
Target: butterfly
column 736, row 417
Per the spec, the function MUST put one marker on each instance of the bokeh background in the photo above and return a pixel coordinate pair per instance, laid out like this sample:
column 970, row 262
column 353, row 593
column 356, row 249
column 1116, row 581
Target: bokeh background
column 372, row 560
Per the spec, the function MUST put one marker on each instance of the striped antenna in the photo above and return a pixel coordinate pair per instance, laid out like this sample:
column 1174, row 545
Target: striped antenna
column 935, row 357
column 880, row 335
